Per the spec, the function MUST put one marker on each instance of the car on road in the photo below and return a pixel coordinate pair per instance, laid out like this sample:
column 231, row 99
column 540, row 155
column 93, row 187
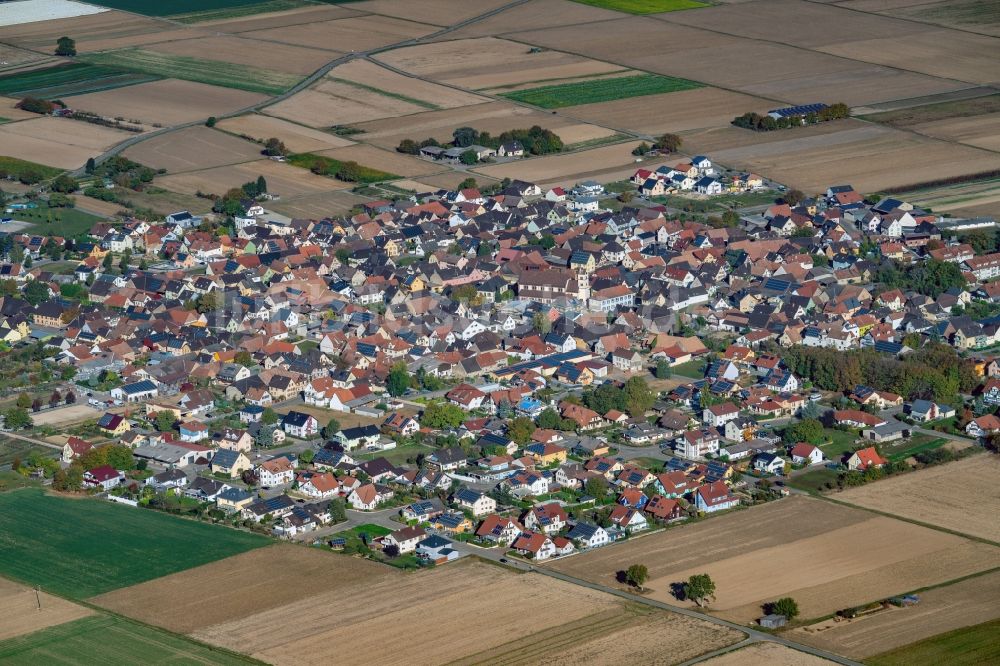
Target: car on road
column 503, row 560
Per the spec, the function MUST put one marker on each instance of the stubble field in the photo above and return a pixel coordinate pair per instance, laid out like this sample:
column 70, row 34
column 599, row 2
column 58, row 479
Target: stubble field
column 25, row 612
column 961, row 496
column 297, row 138
column 193, row 148
column 771, row 654
column 606, row 164
column 345, row 35
column 282, row 179
column 248, row 52
column 57, row 142
column 827, row 557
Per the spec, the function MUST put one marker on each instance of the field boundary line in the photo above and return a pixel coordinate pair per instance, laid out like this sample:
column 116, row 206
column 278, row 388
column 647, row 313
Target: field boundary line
column 907, row 19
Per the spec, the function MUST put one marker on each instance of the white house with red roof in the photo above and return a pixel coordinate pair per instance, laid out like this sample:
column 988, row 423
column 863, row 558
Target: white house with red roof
column 535, row 545
column 104, row 477
column 715, row 497
column 806, row 454
column 864, row 459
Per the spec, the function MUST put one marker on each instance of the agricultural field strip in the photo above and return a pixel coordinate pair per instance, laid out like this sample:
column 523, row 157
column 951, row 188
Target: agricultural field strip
column 75, row 79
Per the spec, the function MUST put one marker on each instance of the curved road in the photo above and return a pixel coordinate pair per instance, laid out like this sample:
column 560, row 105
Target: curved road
column 303, row 84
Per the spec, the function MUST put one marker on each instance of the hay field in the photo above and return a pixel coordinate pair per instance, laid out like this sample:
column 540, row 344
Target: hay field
column 282, row 179
column 58, row 142
column 826, row 556
column 594, row 163
column 21, row 613
column 193, row 148
column 167, row 102
column 384, row 160
column 367, row 73
column 849, row 151
column 248, row 52
column 344, row 35
column 961, row 496
column 674, row 112
column 480, row 64
column 453, row 623
column 942, row 609
column 772, row 654
column 297, row 139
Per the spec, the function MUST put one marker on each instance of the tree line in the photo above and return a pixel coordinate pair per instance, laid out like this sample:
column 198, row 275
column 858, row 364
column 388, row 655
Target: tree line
column 765, row 123
column 536, row 140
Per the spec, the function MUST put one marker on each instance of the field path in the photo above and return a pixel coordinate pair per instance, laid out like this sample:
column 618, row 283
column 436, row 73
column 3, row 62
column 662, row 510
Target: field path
column 306, row 82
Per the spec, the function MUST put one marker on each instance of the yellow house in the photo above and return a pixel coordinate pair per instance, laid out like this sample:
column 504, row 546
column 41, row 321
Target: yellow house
column 233, row 500
column 158, row 407
column 452, row 522
column 230, row 463
column 14, row 331
column 114, row 424
column 546, row 454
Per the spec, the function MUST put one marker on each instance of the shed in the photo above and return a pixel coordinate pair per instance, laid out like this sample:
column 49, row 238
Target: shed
column 773, row 621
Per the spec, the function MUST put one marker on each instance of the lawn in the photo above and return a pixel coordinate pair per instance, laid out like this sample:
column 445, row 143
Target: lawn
column 917, row 444
column 71, row 79
column 160, row 8
column 977, row 644
column 212, row 72
column 398, row 455
column 66, row 222
column 81, row 547
column 644, row 6
column 694, row 369
column 353, row 535
column 25, row 171
column 327, row 166
column 815, row 480
column 103, row 639
column 599, row 90
column 841, row 442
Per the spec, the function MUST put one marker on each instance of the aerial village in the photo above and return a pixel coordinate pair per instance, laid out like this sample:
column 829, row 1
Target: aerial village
column 523, row 373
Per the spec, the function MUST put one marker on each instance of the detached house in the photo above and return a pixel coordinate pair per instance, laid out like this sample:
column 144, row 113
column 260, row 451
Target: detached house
column 275, row 472
column 715, row 497
column 104, row 477
column 302, row 426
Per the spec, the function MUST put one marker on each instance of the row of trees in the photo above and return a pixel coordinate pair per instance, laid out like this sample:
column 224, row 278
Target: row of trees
column 536, row 140
column 668, row 143
column 765, row 123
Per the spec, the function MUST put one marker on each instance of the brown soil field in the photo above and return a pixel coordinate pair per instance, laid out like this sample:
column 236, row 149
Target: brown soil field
column 826, row 556
column 328, row 103
column 316, row 207
column 485, row 63
column 164, row 202
column 969, row 15
column 436, row 12
column 453, row 623
column 347, row 34
column 673, row 112
column 64, row 415
column 193, row 148
column 167, row 102
column 41, row 35
column 965, row 199
column 865, row 156
column 940, row 610
column 9, row 111
column 565, row 168
column 58, row 142
column 22, row 616
column 298, row 16
column 961, row 496
column 980, row 131
column 12, row 57
column 385, row 160
column 96, row 206
column 368, row 73
column 539, row 13
column 238, row 586
column 772, row 654
column 944, row 53
column 282, row 179
column 141, row 39
column 249, row 52
column 449, row 180
column 296, row 138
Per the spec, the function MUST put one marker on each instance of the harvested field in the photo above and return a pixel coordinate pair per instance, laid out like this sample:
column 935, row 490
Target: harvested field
column 537, row 14
column 981, row 16
column 384, row 160
column 449, row 180
column 943, row 53
column 233, row 588
column 980, row 131
column 282, row 179
column 14, row 58
column 331, row 102
column 490, row 63
column 106, row 25
column 96, row 206
column 961, row 496
column 969, row 646
column 806, row 548
column 193, row 148
column 164, row 202
column 305, row 14
column 58, row 142
column 316, row 207
column 9, row 111
column 344, row 35
column 963, row 199
column 240, row 51
column 911, row 116
column 772, row 654
column 22, row 614
column 74, row 413
column 167, row 102
column 454, row 624
column 645, row 6
column 367, row 73
column 673, row 112
column 942, row 609
column 297, row 139
column 437, row 12
column 606, row 162
column 846, row 151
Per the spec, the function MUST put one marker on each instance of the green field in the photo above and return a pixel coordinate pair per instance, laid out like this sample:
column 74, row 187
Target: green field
column 236, row 12
column 80, row 547
column 72, row 79
column 103, row 639
column 327, row 166
column 599, row 90
column 23, row 169
column 814, row 480
column 841, row 442
column 644, row 6
column 66, row 222
column 160, row 8
column 212, row 72
column 692, row 369
column 917, row 444
column 978, row 644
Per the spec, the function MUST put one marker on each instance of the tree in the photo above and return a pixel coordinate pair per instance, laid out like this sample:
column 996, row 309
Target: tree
column 36, row 292
column 793, row 197
column 662, row 369
column 265, row 436
column 398, row 381
column 65, row 47
column 164, row 421
column 269, row 416
column 806, row 430
column 17, row 418
column 65, row 184
column 784, row 606
column 91, row 165
column 638, row 396
column 55, row 398
column 338, row 510
column 244, row 358
column 468, row 183
column 70, row 398
column 439, row 414
column 465, row 136
column 261, row 185
column 211, row 121
column 596, row 486
column 699, row 588
column 521, row 429
column 331, row 428
column 274, row 147
column 541, row 323
column 670, row 143
column 636, row 575
column 23, row 400
column 550, row 419
column 306, row 456
column 408, row 146
column 469, row 157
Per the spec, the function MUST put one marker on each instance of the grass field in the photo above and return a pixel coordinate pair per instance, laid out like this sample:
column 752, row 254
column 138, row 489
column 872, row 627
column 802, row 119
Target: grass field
column 962, row 108
column 212, row 72
column 693, row 369
column 12, row 166
column 16, row 448
column 644, row 6
column 79, row 548
column 72, row 79
column 917, row 444
column 841, row 441
column 103, row 639
column 600, row 90
column 67, row 222
column 963, row 647
column 155, row 8
column 231, row 12
column 814, row 480
column 327, row 166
